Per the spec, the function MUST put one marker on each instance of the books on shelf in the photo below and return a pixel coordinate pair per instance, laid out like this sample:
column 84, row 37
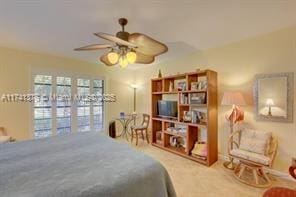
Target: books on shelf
column 200, row 150
column 184, row 99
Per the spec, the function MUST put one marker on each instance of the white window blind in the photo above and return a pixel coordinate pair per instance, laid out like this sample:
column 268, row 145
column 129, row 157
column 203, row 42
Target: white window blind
column 63, row 105
column 83, row 107
column 98, row 89
column 63, row 115
column 42, row 108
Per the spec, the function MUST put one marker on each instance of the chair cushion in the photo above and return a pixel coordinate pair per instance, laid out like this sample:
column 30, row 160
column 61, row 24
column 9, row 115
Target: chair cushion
column 139, row 127
column 4, row 139
column 145, row 124
column 257, row 158
column 255, row 141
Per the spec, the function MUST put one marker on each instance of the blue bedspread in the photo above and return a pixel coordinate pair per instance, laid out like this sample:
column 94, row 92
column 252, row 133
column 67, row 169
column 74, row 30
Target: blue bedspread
column 81, row 164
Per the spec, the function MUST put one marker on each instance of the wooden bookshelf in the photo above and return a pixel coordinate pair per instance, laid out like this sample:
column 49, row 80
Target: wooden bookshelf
column 160, row 90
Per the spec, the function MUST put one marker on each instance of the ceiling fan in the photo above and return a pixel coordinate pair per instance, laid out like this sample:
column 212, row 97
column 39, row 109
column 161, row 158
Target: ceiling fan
column 127, row 48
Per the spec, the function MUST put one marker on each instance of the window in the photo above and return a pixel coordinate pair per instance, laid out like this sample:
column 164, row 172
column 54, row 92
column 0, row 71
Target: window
column 83, row 106
column 63, row 112
column 98, row 89
column 42, row 109
column 63, row 115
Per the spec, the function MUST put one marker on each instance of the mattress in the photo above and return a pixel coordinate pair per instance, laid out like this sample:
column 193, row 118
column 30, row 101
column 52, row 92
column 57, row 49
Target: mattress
column 81, row 164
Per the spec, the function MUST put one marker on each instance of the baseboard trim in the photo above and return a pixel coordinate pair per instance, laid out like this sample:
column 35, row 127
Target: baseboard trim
column 271, row 171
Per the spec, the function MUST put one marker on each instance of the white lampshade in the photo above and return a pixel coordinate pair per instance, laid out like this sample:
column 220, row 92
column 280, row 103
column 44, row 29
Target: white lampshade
column 269, row 102
column 233, row 98
column 134, row 86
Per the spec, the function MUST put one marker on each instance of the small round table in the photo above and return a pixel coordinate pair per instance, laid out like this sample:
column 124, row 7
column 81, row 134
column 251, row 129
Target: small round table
column 125, row 121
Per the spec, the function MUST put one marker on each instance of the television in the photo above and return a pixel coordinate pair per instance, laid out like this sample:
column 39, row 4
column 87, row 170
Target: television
column 167, row 109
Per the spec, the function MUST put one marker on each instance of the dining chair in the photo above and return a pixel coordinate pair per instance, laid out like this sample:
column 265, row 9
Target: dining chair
column 136, row 130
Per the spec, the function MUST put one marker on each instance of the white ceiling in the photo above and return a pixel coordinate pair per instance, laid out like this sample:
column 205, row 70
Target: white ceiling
column 58, row 26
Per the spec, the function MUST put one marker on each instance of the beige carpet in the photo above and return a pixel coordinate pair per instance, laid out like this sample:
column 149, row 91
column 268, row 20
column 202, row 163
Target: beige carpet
column 191, row 179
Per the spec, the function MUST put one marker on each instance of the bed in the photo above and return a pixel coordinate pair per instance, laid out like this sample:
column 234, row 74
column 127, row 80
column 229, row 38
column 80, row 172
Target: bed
column 81, row 164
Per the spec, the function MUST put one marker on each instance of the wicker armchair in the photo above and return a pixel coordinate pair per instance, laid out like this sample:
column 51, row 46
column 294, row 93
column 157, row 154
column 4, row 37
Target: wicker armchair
column 254, row 150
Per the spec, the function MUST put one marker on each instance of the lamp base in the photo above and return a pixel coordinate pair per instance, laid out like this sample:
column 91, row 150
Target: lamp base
column 229, row 164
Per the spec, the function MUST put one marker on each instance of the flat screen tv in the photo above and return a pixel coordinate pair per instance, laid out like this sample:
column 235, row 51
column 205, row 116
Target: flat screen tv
column 167, row 109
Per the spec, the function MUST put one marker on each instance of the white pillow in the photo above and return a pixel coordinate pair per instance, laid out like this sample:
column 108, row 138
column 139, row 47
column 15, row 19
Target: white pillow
column 255, row 141
column 4, row 139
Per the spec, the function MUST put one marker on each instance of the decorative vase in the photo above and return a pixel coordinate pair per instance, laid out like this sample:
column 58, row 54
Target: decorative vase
column 159, row 74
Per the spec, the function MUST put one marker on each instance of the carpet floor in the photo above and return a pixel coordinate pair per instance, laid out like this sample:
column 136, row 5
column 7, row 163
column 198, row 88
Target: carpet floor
column 191, row 179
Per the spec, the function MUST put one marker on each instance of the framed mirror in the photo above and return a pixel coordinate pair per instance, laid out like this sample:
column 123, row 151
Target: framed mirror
column 274, row 97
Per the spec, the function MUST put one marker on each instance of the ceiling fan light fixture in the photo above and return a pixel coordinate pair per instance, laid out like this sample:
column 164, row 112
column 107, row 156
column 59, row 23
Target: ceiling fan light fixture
column 123, row 62
column 127, row 48
column 131, row 57
column 113, row 57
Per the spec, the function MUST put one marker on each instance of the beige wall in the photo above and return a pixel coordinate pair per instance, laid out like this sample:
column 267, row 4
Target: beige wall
column 120, row 81
column 16, row 69
column 236, row 64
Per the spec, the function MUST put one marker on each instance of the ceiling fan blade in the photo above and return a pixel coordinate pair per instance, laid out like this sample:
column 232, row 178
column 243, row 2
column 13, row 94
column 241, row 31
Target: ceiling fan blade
column 93, row 47
column 105, row 60
column 147, row 45
column 115, row 39
column 144, row 59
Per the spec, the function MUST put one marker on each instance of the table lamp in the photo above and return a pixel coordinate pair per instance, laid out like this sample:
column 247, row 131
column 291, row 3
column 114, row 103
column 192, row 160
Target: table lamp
column 233, row 99
column 269, row 104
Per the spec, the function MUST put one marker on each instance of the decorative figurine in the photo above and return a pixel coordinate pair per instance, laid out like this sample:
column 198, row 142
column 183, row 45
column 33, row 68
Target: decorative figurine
column 159, row 74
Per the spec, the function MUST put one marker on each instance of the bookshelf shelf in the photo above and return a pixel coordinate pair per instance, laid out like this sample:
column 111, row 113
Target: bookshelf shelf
column 173, row 134
column 193, row 91
column 181, row 153
column 180, row 92
column 160, row 88
column 173, row 92
column 183, row 105
column 179, row 122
